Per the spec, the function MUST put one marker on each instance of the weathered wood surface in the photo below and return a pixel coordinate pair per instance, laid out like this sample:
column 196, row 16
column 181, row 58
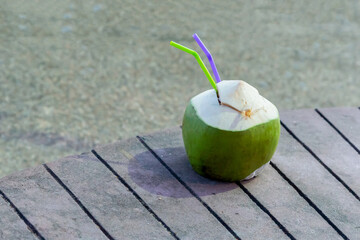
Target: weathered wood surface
column 347, row 121
column 268, row 189
column 11, row 226
column 106, row 198
column 338, row 155
column 144, row 188
column 170, row 200
column 48, row 206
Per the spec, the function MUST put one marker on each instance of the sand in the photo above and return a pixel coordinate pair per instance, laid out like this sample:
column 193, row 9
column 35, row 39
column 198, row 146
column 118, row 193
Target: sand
column 74, row 74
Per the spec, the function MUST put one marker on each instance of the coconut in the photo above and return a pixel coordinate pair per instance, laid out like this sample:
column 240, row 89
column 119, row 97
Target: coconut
column 232, row 135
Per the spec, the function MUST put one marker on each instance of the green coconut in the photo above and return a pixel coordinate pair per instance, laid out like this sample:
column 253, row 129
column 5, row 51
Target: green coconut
column 230, row 136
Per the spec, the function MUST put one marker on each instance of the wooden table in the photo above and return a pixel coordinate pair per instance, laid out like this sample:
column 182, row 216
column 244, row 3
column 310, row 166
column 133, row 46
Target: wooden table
column 144, row 188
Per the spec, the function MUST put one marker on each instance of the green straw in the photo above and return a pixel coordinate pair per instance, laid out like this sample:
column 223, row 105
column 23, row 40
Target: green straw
column 201, row 63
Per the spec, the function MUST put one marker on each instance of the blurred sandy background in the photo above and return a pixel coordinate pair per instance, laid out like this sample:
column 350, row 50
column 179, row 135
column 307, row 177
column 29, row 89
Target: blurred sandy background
column 78, row 73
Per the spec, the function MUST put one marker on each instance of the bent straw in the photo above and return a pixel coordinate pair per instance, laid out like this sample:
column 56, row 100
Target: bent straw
column 208, row 55
column 201, row 63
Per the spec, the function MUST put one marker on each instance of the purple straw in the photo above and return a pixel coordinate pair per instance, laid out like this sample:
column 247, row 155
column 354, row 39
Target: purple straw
column 208, row 54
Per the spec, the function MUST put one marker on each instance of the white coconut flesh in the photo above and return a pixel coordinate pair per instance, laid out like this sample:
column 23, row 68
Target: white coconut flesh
column 241, row 106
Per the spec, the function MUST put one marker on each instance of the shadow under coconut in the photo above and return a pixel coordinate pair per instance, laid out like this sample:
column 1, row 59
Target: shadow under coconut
column 146, row 171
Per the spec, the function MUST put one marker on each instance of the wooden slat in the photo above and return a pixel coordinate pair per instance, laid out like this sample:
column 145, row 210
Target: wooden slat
column 346, row 120
column 11, row 226
column 327, row 144
column 48, row 206
column 186, row 216
column 269, row 188
column 109, row 201
column 318, row 184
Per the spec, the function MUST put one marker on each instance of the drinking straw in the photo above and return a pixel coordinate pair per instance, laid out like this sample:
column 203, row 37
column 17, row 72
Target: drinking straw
column 208, row 55
column 201, row 63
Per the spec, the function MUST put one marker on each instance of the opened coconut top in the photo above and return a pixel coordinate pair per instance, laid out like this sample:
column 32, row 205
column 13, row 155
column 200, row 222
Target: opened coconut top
column 239, row 106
